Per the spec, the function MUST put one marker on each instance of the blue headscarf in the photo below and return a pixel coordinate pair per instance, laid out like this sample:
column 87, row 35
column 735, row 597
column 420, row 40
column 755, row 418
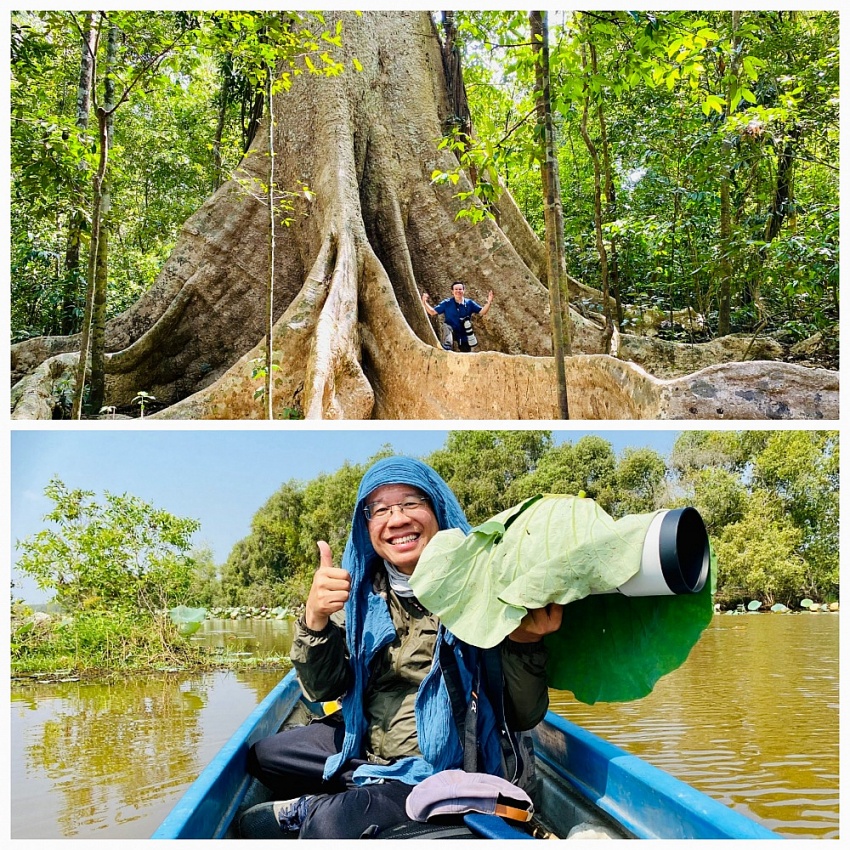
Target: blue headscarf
column 369, row 628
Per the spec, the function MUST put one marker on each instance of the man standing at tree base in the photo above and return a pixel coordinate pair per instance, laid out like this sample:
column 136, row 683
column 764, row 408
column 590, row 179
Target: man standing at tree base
column 457, row 314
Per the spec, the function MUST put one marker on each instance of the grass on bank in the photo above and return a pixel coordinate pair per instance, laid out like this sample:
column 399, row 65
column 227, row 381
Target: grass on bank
column 100, row 644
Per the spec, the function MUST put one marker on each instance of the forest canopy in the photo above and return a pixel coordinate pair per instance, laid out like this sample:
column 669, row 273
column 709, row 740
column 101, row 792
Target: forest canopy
column 697, row 153
column 769, row 500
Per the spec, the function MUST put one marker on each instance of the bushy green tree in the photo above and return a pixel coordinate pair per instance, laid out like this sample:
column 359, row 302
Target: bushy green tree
column 788, row 480
column 121, row 555
column 758, row 556
column 719, row 495
column 802, row 469
column 205, row 587
column 588, row 466
column 639, row 482
column 483, row 467
column 260, row 565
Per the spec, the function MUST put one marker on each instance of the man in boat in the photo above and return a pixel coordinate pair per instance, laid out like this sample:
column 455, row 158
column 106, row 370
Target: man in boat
column 407, row 685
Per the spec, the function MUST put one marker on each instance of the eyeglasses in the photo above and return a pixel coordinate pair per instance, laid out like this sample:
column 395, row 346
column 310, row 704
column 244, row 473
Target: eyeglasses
column 382, row 513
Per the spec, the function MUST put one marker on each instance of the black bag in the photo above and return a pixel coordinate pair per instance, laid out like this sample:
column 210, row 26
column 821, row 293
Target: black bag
column 416, row 830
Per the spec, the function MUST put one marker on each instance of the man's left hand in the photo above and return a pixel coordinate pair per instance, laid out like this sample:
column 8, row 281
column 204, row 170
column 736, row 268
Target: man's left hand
column 538, row 623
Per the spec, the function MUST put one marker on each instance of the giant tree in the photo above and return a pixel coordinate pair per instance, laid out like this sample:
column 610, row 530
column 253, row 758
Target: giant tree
column 367, row 238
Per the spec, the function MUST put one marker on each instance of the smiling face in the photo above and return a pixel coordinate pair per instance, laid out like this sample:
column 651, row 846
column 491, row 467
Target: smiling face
column 401, row 537
column 457, row 291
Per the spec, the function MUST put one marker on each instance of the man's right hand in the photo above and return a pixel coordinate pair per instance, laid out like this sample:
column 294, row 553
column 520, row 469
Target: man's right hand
column 329, row 591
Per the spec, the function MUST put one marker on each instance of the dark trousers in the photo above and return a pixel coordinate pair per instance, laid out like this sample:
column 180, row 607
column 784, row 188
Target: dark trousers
column 291, row 763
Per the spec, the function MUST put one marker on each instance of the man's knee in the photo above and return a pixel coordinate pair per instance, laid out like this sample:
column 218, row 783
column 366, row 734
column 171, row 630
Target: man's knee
column 262, row 755
column 350, row 813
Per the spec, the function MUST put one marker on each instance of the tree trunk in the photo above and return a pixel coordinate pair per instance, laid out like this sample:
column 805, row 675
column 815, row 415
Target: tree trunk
column 610, row 215
column 724, row 318
column 68, row 321
column 101, row 274
column 556, row 266
column 85, row 337
column 783, row 194
column 597, row 204
column 268, row 399
column 371, row 234
column 225, row 73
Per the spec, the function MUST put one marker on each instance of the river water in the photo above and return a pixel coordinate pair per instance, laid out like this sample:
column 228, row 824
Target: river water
column 751, row 718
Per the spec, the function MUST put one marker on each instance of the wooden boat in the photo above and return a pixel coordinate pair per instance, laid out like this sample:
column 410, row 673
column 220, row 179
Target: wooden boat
column 584, row 780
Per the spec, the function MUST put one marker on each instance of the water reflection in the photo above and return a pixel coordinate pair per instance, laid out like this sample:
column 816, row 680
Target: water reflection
column 95, row 759
column 751, row 718
column 247, row 637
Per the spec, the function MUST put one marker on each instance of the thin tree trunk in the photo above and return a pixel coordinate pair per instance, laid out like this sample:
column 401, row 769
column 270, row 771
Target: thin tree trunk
column 556, row 266
column 223, row 102
column 455, row 88
column 68, row 323
column 251, row 117
column 783, row 195
column 85, row 340
column 270, row 288
column 101, row 277
column 724, row 319
column 611, row 215
column 597, row 205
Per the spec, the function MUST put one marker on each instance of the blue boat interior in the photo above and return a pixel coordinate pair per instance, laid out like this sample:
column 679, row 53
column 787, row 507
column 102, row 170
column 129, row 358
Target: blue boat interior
column 586, row 787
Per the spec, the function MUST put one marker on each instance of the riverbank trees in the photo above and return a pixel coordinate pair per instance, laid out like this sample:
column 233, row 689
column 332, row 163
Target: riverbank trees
column 769, row 499
column 114, row 568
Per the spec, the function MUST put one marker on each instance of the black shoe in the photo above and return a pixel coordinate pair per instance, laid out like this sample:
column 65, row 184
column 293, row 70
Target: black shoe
column 274, row 819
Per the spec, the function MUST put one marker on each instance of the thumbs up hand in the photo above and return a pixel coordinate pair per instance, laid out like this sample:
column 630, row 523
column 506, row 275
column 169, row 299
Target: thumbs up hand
column 329, row 591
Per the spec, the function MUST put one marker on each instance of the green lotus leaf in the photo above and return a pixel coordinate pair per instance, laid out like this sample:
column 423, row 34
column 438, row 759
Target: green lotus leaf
column 547, row 549
column 614, row 648
column 610, row 647
column 187, row 620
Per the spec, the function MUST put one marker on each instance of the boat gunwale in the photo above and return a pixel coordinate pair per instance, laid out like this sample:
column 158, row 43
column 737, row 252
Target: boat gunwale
column 230, row 761
column 617, row 784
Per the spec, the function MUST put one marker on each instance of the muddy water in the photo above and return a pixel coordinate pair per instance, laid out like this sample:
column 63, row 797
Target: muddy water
column 751, row 718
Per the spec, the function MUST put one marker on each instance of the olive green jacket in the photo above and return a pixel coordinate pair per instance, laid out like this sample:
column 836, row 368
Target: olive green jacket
column 320, row 659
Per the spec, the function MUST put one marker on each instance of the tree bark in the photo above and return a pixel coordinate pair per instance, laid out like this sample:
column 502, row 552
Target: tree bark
column 68, row 321
column 101, row 272
column 724, row 318
column 601, row 250
column 554, row 223
column 268, row 400
column 610, row 215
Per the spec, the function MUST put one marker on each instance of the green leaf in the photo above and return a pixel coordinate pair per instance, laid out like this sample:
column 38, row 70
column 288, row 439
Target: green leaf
column 546, row 549
column 614, row 648
column 712, row 101
column 187, row 620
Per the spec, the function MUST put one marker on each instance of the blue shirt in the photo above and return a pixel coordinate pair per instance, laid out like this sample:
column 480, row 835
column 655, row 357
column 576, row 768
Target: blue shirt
column 455, row 313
